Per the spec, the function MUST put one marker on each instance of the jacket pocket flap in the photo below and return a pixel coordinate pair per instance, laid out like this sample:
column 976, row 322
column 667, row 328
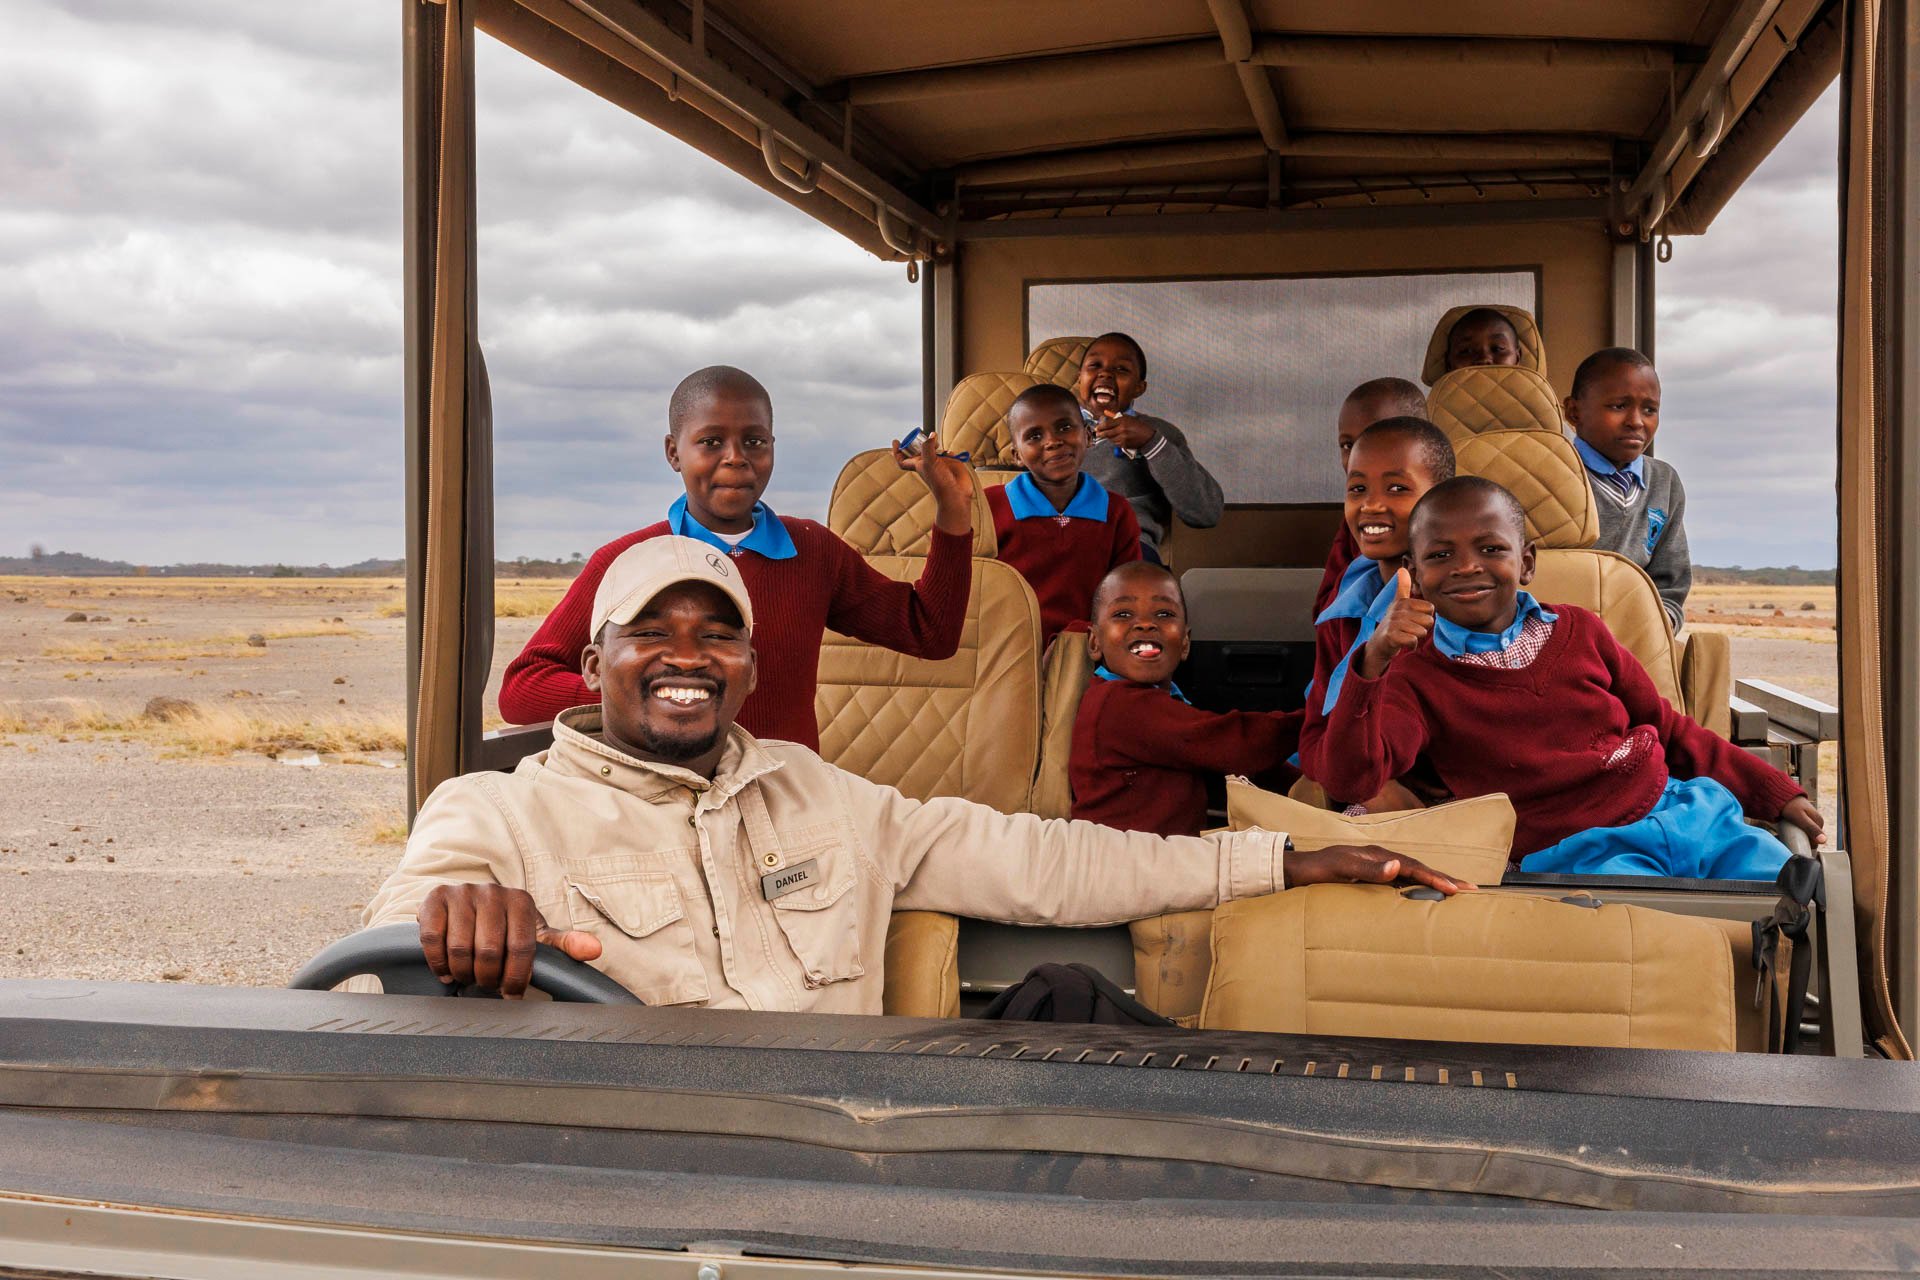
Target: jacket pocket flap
column 820, row 897
column 637, row 905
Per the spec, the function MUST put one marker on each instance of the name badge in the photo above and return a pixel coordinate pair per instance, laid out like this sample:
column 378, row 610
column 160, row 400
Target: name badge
column 801, row 875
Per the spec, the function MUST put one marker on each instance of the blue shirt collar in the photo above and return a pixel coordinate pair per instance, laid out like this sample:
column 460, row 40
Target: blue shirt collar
column 1024, row 499
column 1601, row 465
column 769, row 537
column 1360, row 586
column 1100, row 669
column 1455, row 641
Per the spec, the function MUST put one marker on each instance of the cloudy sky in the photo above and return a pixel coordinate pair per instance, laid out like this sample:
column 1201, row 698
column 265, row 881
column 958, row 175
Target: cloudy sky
column 200, row 304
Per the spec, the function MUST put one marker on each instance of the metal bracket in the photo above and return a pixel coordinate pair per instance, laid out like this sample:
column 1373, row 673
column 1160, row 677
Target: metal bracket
column 806, row 182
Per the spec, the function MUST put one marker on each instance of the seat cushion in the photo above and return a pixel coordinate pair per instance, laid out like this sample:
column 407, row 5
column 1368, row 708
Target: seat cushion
column 922, row 977
column 965, row 726
column 883, row 511
column 1064, row 673
column 1623, row 595
column 1541, row 470
column 1533, row 351
column 1363, row 960
column 1468, row 839
column 976, row 417
column 1057, row 360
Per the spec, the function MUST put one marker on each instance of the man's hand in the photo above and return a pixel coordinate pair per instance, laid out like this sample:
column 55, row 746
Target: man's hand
column 948, row 478
column 1124, row 431
column 1801, row 813
column 1409, row 620
column 1364, row 864
column 483, row 935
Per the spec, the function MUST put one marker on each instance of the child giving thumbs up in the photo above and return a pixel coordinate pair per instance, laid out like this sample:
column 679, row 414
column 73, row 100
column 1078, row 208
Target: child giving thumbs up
column 1409, row 620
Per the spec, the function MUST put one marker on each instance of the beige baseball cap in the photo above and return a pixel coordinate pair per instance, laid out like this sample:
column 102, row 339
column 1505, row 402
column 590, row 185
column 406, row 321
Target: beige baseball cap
column 645, row 569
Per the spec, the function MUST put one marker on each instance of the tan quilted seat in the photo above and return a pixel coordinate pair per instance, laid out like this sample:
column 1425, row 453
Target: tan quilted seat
column 883, row 511
column 1541, row 469
column 922, row 977
column 1361, row 960
column 1624, row 596
column 1064, row 673
column 1489, row 397
column 1057, row 360
column 976, row 417
column 1533, row 351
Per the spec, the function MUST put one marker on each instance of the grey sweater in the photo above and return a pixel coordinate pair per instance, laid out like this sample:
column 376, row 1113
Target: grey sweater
column 1650, row 530
column 1164, row 480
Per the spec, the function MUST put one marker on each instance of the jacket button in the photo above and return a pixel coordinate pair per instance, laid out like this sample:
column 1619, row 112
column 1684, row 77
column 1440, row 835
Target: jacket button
column 693, row 820
column 772, row 859
column 716, row 931
column 606, row 771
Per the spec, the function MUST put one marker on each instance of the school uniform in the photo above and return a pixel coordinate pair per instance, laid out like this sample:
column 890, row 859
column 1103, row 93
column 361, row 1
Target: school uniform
column 1339, row 556
column 1063, row 554
column 1605, row 776
column 802, row 579
column 1643, row 508
column 1142, row 754
column 1160, row 480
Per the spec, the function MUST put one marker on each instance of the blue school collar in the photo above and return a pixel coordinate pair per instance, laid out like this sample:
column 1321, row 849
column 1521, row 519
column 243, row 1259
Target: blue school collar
column 769, row 536
column 1089, row 501
column 1456, row 641
column 1601, row 465
column 1100, row 669
column 1365, row 595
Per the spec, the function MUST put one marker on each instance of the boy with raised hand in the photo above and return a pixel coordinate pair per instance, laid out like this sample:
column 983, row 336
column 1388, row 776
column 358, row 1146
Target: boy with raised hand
column 803, row 577
column 1480, row 337
column 1143, row 459
column 1500, row 693
column 1141, row 752
column 1056, row 524
column 1370, row 402
column 1614, row 411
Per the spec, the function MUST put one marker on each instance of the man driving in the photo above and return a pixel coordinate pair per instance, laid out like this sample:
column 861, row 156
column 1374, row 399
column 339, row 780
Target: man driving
column 698, row 865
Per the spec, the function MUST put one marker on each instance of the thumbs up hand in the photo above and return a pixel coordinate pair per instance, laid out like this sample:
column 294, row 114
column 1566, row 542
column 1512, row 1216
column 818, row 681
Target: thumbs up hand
column 1409, row 620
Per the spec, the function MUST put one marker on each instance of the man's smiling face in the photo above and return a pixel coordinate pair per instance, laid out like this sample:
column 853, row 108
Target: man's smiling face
column 672, row 679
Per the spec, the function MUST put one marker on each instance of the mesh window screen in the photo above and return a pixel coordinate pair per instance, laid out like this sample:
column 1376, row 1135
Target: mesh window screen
column 1254, row 371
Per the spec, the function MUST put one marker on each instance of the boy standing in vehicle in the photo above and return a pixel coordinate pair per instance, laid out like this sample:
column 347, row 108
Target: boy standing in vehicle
column 1370, row 402
column 1614, row 411
column 1056, row 524
column 1501, row 693
column 1141, row 752
column 804, row 579
column 1145, row 460
column 1482, row 336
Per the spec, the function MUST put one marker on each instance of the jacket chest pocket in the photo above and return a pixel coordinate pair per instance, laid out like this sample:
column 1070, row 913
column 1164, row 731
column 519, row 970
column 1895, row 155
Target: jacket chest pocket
column 821, row 922
column 647, row 943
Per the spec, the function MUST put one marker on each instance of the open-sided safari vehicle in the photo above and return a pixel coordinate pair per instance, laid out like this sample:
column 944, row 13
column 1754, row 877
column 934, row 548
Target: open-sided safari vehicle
column 1323, row 180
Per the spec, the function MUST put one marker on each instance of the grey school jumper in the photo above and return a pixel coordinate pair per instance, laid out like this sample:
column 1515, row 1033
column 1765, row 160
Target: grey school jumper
column 1649, row 529
column 1162, row 481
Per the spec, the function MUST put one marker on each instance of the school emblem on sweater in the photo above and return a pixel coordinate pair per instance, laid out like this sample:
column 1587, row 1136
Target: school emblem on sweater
column 1063, row 521
column 1656, row 521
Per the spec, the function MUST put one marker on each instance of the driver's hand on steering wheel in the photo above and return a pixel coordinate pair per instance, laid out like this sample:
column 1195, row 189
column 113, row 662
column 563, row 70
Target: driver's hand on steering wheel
column 1364, row 864
column 483, row 935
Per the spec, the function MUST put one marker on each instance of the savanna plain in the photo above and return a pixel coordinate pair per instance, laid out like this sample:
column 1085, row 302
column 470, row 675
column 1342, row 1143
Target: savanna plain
column 202, row 780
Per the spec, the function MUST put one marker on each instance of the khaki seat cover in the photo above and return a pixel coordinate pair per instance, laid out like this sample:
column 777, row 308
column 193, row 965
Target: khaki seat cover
column 1057, row 360
column 1706, row 678
column 923, row 967
column 1172, row 957
column 1489, row 397
column 966, row 726
column 1533, row 351
column 976, row 417
column 1540, row 469
column 881, row 510
column 1624, row 596
column 1064, row 673
column 1363, row 960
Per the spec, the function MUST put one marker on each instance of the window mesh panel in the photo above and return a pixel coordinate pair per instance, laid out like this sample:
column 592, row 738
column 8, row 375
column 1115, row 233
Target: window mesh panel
column 1254, row 371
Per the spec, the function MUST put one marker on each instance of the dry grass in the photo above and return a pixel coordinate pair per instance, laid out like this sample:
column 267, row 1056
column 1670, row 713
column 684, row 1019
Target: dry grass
column 383, row 828
column 213, row 731
column 510, row 599
column 230, row 645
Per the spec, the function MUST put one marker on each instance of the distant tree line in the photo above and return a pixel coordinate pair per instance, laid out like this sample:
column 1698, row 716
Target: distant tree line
column 41, row 563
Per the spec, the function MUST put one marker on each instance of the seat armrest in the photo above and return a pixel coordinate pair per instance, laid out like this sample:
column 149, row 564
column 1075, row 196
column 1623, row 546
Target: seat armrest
column 1706, row 679
column 502, row 750
column 1809, row 717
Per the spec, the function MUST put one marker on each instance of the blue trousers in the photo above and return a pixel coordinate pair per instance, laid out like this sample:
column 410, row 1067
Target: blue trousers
column 1696, row 831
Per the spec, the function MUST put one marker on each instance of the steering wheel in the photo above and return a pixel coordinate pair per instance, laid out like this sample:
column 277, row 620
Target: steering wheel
column 392, row 954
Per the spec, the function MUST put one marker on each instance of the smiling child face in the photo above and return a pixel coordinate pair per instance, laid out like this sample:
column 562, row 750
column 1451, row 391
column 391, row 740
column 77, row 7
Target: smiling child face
column 724, row 454
column 1049, row 437
column 1110, row 378
column 1470, row 558
column 1139, row 624
column 1617, row 411
column 1385, row 478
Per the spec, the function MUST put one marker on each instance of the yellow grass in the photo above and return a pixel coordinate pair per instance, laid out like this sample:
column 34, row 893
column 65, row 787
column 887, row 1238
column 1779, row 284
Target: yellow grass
column 510, row 599
column 230, row 645
column 214, row 731
column 382, row 828
column 56, row 591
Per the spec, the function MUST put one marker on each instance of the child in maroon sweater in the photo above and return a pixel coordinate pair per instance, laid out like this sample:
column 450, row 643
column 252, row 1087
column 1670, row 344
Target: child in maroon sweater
column 801, row 577
column 1141, row 753
column 1503, row 694
column 1057, row 525
column 1366, row 404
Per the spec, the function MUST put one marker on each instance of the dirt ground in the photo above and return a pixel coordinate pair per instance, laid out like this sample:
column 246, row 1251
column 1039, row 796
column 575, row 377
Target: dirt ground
column 231, row 843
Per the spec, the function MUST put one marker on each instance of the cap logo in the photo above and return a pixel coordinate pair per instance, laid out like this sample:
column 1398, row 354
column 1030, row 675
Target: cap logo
column 718, row 564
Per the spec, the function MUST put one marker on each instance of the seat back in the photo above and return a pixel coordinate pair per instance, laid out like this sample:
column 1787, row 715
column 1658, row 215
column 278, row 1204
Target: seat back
column 922, row 978
column 1057, row 360
column 1064, row 674
column 1490, row 397
column 964, row 726
column 1363, row 960
column 976, row 416
column 1533, row 351
column 1541, row 469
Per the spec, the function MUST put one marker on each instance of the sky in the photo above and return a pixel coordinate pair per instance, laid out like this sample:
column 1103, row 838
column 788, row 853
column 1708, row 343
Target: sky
column 200, row 303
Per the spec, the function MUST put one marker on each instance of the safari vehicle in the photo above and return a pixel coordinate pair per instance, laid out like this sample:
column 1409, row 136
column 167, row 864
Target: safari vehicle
column 1259, row 173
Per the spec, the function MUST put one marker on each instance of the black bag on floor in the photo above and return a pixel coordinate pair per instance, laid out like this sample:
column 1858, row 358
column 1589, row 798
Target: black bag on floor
column 1071, row 993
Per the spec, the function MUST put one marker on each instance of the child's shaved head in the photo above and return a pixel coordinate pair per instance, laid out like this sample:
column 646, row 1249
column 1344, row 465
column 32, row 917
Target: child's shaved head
column 1429, row 444
column 1044, row 395
column 1136, row 573
column 1604, row 361
column 1388, row 398
column 1462, row 493
column 716, row 379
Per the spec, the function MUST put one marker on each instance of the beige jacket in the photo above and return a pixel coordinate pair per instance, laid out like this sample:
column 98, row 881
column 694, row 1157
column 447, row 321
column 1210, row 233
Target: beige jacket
column 672, row 872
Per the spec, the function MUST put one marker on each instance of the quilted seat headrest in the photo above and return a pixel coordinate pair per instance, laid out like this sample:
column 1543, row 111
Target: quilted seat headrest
column 883, row 511
column 1541, row 469
column 1058, row 360
column 1485, row 397
column 976, row 417
column 1533, row 352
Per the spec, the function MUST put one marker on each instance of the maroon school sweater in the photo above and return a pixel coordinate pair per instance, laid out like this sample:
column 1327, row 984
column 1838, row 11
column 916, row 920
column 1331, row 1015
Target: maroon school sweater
column 826, row 584
column 1339, row 556
column 1578, row 739
column 1141, row 756
column 1064, row 559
